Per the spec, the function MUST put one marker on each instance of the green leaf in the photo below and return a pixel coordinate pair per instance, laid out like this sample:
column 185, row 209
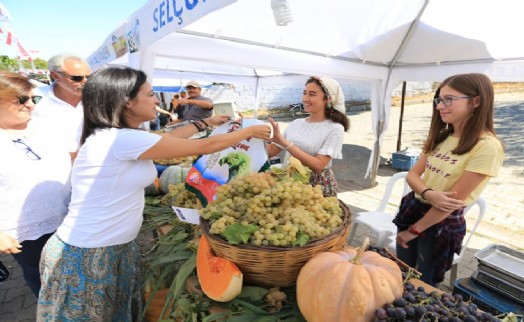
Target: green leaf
column 250, row 306
column 301, row 240
column 253, row 293
column 179, row 282
column 237, row 233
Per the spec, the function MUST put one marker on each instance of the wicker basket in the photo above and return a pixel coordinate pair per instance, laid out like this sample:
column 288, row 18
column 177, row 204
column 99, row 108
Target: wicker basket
column 276, row 266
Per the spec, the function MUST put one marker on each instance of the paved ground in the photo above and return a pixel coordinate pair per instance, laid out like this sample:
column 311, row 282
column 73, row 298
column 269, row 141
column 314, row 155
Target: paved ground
column 503, row 224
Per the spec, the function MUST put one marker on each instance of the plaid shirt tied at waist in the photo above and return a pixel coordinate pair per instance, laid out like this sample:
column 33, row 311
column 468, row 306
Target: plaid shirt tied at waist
column 449, row 235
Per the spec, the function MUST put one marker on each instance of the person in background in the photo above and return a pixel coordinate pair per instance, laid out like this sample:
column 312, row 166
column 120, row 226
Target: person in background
column 93, row 257
column 61, row 111
column 195, row 105
column 174, row 106
column 461, row 153
column 317, row 139
column 34, row 179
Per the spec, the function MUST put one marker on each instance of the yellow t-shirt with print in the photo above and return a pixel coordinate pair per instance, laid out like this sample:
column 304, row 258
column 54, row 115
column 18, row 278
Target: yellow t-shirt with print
column 443, row 168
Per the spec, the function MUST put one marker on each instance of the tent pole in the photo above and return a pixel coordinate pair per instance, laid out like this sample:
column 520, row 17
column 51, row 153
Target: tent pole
column 400, row 121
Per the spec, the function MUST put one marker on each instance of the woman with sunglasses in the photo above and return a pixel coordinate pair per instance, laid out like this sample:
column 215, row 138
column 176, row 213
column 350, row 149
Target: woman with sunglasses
column 34, row 179
column 93, row 257
column 318, row 139
column 461, row 153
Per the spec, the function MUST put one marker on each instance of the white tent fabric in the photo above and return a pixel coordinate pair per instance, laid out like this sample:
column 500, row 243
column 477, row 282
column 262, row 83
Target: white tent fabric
column 382, row 41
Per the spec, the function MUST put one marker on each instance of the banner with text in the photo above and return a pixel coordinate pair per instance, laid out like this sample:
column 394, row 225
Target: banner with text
column 155, row 20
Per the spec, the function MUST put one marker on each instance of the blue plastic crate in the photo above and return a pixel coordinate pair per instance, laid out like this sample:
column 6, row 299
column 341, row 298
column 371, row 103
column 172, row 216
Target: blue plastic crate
column 486, row 299
column 402, row 160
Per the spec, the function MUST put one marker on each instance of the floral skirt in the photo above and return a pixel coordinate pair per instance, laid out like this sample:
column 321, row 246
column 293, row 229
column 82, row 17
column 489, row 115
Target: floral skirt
column 325, row 178
column 90, row 284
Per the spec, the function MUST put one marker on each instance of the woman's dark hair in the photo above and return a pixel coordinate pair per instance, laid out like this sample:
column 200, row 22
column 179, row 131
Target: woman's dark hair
column 480, row 121
column 105, row 96
column 331, row 113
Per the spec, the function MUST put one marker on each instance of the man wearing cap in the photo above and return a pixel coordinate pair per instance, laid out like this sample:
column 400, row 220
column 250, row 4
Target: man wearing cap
column 197, row 107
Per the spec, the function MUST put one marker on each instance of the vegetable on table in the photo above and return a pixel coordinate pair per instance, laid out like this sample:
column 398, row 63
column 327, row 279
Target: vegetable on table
column 219, row 278
column 172, row 175
column 347, row 285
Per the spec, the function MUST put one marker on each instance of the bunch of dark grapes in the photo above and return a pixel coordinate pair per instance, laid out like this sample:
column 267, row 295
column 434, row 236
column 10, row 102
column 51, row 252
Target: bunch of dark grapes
column 418, row 305
column 381, row 251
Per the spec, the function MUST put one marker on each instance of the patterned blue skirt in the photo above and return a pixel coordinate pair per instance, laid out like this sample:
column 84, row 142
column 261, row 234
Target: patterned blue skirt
column 90, row 284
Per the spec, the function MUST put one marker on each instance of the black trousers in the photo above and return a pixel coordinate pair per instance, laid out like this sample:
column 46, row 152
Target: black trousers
column 29, row 260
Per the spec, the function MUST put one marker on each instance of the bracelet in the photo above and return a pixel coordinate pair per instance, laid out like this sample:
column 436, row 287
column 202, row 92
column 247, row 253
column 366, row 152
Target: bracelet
column 281, row 147
column 423, row 192
column 197, row 125
column 202, row 120
column 414, row 231
column 203, row 125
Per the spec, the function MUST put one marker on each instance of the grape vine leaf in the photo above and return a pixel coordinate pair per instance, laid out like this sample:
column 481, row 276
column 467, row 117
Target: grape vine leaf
column 302, row 239
column 239, row 234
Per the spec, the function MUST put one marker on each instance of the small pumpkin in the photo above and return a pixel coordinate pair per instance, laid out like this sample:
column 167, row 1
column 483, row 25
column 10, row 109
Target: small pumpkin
column 219, row 278
column 172, row 175
column 155, row 307
column 347, row 285
column 153, row 189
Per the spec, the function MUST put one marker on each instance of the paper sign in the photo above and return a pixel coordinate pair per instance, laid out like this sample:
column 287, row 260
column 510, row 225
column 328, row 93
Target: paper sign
column 187, row 215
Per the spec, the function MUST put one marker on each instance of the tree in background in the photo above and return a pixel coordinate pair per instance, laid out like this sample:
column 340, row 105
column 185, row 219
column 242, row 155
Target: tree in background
column 9, row 64
column 39, row 64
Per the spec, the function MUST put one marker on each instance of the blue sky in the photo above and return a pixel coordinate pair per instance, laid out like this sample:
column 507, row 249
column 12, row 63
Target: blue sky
column 57, row 26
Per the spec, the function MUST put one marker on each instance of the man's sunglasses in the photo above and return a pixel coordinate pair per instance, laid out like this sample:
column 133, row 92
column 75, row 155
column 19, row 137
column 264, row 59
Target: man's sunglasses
column 75, row 78
column 24, row 99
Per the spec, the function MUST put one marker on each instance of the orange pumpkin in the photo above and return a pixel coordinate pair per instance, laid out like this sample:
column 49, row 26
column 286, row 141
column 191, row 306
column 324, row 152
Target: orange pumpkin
column 154, row 309
column 347, row 285
column 219, row 278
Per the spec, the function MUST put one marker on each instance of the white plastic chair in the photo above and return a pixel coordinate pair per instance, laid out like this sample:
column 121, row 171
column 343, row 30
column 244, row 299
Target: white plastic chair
column 380, row 221
column 481, row 202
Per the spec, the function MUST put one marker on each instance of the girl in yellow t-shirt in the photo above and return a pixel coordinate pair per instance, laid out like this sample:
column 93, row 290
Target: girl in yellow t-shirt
column 460, row 155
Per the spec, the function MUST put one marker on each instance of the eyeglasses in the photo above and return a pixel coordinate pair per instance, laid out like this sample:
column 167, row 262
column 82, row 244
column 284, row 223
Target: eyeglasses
column 29, row 152
column 447, row 101
column 75, row 78
column 24, row 99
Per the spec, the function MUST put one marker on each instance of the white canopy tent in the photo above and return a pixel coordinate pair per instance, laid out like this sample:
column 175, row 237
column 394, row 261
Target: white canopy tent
column 382, row 41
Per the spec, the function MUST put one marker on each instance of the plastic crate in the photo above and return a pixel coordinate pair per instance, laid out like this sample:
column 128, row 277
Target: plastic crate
column 486, row 299
column 403, row 160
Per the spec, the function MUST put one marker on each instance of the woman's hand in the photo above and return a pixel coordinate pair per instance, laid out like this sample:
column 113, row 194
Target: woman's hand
column 277, row 135
column 404, row 237
column 9, row 245
column 217, row 120
column 444, row 201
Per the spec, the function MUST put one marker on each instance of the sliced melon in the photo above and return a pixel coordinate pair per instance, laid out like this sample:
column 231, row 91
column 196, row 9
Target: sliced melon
column 219, row 278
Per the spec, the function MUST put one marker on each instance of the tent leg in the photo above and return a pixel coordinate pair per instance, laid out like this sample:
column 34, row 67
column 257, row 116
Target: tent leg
column 401, row 119
column 376, row 157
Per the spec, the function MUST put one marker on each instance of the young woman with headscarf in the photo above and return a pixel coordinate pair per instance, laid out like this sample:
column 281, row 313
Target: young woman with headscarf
column 317, row 139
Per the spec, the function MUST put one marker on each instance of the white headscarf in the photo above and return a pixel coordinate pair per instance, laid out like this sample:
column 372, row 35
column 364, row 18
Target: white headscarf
column 335, row 94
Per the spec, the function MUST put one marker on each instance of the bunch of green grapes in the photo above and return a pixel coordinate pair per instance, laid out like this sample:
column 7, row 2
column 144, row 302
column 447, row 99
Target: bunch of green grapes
column 179, row 196
column 286, row 212
column 184, row 161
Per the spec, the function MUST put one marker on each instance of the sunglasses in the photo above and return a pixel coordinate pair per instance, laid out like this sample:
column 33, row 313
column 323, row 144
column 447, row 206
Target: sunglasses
column 24, row 99
column 28, row 151
column 75, row 78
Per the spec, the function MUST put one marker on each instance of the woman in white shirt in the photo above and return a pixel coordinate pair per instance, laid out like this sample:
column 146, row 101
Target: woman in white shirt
column 317, row 139
column 90, row 267
column 34, row 179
